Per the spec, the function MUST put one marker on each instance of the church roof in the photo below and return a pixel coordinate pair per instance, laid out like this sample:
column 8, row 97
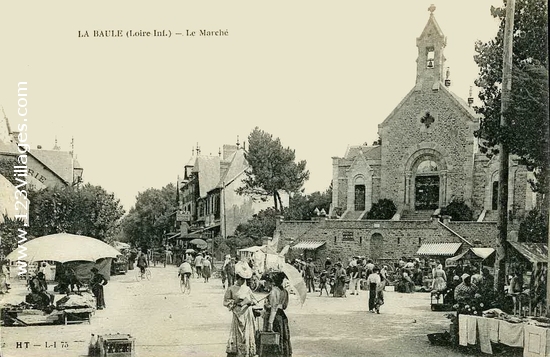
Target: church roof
column 369, row 152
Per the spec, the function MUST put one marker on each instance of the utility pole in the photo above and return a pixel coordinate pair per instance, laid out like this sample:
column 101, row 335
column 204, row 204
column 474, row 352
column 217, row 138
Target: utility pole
column 501, row 247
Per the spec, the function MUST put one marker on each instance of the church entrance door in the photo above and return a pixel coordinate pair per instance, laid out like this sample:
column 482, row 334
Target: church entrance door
column 426, row 192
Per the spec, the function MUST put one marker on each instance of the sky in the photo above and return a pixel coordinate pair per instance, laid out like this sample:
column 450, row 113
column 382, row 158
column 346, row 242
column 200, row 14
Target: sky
column 320, row 75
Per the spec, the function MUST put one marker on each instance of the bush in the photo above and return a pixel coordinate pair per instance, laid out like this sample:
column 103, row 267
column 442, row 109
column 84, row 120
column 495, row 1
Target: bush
column 459, row 211
column 383, row 209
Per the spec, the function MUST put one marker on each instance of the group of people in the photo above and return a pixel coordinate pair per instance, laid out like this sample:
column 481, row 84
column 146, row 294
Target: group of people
column 335, row 279
column 245, row 333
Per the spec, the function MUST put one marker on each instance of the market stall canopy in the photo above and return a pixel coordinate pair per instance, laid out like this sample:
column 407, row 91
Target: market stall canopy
column 199, row 243
column 439, row 249
column 534, row 252
column 252, row 249
column 308, row 245
column 473, row 254
column 64, row 247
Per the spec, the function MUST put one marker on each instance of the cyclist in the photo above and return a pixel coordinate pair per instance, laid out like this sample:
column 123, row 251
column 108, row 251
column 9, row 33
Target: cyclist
column 184, row 272
column 142, row 263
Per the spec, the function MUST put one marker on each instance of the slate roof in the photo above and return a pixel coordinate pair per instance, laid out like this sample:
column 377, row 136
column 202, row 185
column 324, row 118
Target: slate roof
column 208, row 168
column 59, row 162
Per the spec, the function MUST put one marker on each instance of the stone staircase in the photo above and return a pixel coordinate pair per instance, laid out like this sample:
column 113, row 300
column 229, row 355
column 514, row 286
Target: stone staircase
column 352, row 215
column 417, row 215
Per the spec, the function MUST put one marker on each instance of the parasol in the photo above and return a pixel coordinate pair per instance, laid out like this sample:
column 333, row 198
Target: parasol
column 296, row 281
column 63, row 247
column 190, row 250
column 201, row 244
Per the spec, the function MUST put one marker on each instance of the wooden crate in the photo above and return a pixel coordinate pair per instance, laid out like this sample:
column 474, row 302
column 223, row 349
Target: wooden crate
column 117, row 345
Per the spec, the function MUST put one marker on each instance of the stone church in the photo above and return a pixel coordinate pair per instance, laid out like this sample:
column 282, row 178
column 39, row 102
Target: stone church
column 428, row 155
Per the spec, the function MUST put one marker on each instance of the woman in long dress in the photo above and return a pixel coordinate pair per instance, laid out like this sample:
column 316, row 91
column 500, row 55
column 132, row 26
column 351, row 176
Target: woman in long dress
column 340, row 281
column 206, row 269
column 275, row 318
column 238, row 299
column 439, row 279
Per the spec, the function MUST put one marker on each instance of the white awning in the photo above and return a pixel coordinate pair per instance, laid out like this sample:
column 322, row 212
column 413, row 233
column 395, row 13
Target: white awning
column 308, row 245
column 443, row 249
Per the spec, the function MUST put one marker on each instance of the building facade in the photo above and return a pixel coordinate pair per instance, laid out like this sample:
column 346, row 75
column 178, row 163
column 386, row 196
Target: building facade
column 209, row 203
column 427, row 155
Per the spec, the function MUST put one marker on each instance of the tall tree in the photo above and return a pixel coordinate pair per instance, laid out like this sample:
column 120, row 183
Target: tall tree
column 526, row 132
column 153, row 215
column 272, row 168
column 88, row 210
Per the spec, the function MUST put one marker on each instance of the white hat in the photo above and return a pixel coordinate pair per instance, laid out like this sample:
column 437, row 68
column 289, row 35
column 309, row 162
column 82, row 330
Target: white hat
column 464, row 276
column 243, row 270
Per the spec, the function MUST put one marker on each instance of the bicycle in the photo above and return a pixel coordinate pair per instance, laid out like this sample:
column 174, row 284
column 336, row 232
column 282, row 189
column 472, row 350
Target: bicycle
column 145, row 275
column 185, row 284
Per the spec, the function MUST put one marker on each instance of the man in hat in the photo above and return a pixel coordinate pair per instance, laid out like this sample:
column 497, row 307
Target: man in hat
column 466, row 291
column 310, row 275
column 229, row 269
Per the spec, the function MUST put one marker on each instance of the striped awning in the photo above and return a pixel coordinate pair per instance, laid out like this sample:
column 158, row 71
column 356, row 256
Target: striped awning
column 440, row 249
column 308, row 245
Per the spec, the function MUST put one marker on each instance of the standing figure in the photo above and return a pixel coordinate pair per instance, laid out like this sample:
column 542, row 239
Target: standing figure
column 439, row 279
column 354, row 276
column 230, row 272
column 96, row 283
column 238, row 299
column 275, row 319
column 310, row 275
column 198, row 265
column 206, row 268
column 323, row 282
column 340, row 281
column 224, row 275
column 373, row 282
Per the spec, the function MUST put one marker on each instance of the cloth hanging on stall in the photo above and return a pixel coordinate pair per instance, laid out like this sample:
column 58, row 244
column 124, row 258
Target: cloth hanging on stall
column 484, row 335
column 535, row 341
column 472, row 330
column 510, row 334
column 463, row 329
column 493, row 329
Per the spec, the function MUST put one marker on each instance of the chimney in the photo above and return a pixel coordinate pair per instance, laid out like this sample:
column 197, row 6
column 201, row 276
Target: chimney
column 447, row 77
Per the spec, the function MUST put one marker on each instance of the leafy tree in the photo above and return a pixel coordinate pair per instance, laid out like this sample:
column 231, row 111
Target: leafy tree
column 383, row 209
column 9, row 234
column 271, row 169
column 6, row 168
column 302, row 206
column 152, row 217
column 534, row 227
column 458, row 210
column 260, row 225
column 88, row 210
column 526, row 132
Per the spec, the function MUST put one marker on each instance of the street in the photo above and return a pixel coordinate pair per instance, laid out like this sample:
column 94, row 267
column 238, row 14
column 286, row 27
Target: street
column 167, row 323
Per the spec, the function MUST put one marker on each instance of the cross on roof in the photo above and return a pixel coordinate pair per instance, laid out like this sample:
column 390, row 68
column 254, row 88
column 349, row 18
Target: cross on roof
column 431, row 8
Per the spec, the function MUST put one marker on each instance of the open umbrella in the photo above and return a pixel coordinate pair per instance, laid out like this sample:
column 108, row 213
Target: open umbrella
column 296, row 281
column 190, row 250
column 63, row 247
column 199, row 243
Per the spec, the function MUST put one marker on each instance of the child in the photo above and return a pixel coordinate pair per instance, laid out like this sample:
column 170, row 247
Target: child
column 323, row 282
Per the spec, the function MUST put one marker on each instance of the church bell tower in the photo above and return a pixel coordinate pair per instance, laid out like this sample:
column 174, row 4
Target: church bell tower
column 430, row 62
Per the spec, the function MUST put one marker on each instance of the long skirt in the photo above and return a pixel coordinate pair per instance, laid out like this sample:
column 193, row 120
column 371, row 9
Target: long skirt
column 280, row 325
column 206, row 272
column 242, row 340
column 99, row 296
column 339, row 288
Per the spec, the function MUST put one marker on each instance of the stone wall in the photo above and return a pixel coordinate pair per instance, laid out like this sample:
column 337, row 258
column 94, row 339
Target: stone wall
column 344, row 239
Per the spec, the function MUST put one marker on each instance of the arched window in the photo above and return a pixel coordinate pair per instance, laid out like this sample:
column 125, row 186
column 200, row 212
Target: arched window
column 376, row 246
column 494, row 198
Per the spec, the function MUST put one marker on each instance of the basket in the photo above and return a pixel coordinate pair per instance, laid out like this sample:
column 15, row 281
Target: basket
column 117, row 345
column 269, row 338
